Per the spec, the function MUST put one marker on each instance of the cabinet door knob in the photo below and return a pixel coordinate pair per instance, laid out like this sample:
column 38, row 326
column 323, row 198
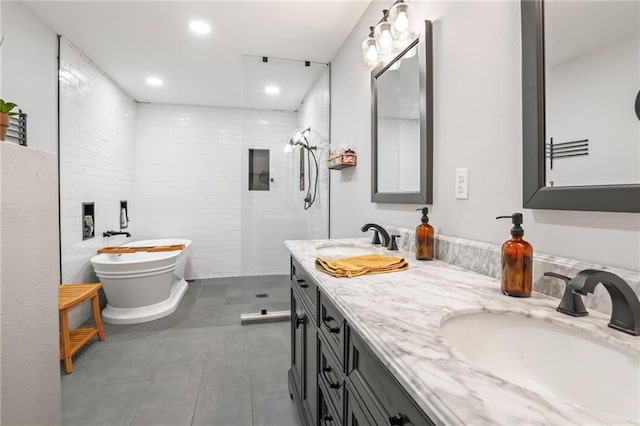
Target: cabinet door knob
column 302, row 283
column 327, row 418
column 299, row 319
column 397, row 420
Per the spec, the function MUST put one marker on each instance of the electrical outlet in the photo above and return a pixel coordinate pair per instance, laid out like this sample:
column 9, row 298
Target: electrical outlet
column 462, row 184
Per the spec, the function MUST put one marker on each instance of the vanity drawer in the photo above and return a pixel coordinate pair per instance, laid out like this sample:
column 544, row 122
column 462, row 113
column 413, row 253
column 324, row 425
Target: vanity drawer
column 327, row 415
column 330, row 376
column 384, row 398
column 355, row 414
column 332, row 327
column 305, row 285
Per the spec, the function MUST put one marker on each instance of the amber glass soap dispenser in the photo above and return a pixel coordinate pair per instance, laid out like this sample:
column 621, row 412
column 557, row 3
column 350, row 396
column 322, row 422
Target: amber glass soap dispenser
column 517, row 261
column 424, row 237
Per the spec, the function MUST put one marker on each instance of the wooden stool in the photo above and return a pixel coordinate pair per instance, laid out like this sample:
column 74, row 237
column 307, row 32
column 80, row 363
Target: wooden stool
column 70, row 296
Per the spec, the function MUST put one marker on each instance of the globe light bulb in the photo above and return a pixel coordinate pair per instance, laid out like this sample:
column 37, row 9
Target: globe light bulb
column 370, row 53
column 383, row 37
column 402, row 22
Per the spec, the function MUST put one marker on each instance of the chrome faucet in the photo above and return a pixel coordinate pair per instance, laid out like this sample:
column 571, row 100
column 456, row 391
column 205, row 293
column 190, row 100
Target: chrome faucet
column 377, row 229
column 112, row 233
column 625, row 306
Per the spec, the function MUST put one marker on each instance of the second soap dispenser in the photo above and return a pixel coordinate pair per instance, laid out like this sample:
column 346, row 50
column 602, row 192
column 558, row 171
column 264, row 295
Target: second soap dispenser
column 517, row 261
column 424, row 237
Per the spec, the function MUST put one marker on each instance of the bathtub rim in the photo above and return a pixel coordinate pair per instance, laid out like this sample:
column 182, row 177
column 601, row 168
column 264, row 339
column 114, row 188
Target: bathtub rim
column 103, row 258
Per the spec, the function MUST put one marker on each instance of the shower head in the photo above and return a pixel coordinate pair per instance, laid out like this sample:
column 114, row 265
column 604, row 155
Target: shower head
column 299, row 139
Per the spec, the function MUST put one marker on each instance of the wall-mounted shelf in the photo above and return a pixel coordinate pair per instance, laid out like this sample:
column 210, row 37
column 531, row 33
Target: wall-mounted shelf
column 124, row 215
column 342, row 160
column 88, row 221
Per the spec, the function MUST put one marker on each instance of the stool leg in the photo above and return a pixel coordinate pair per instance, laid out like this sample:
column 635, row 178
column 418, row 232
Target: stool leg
column 68, row 366
column 96, row 316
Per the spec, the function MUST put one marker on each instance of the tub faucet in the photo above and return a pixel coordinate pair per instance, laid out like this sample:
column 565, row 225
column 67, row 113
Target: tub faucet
column 112, row 233
column 625, row 306
column 378, row 229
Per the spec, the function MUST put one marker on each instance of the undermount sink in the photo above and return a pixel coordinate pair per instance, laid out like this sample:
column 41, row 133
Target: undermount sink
column 551, row 360
column 344, row 250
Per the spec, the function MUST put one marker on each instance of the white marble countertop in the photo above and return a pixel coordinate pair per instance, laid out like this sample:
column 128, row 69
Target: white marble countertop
column 399, row 315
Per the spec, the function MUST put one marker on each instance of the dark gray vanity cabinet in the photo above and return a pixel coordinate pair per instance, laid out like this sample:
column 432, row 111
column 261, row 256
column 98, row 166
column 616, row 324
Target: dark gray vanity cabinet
column 386, row 401
column 335, row 379
column 303, row 386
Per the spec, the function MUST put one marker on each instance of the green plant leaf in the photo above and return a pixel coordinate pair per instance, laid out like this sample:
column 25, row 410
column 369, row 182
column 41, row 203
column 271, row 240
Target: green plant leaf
column 6, row 107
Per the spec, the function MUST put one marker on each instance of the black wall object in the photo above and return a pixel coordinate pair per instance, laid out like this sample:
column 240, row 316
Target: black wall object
column 124, row 218
column 18, row 128
column 88, row 221
column 638, row 105
column 259, row 165
column 610, row 198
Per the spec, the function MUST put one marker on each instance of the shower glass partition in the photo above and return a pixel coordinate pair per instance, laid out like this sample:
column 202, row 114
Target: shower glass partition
column 281, row 98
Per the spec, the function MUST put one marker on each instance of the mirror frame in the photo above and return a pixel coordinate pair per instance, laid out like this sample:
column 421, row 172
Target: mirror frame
column 608, row 198
column 424, row 45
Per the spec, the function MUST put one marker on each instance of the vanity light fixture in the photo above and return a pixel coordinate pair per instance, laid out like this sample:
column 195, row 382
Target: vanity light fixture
column 200, row 27
column 401, row 20
column 369, row 51
column 154, row 81
column 272, row 90
column 382, row 35
column 390, row 36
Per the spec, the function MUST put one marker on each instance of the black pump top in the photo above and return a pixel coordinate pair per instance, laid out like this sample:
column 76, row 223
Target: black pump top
column 516, row 219
column 425, row 212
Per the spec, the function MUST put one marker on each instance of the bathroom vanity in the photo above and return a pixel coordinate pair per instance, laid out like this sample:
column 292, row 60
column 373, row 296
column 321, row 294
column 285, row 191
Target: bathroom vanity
column 404, row 349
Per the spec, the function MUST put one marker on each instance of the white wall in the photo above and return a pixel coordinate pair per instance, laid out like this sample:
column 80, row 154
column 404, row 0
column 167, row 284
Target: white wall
column 478, row 125
column 30, row 275
column 97, row 160
column 29, row 72
column 30, row 373
column 584, row 92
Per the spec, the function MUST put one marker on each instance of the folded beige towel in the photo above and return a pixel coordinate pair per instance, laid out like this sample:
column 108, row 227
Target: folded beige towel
column 361, row 265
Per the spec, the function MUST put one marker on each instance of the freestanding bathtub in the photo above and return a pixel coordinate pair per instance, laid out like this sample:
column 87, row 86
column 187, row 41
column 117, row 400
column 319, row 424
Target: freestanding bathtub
column 142, row 286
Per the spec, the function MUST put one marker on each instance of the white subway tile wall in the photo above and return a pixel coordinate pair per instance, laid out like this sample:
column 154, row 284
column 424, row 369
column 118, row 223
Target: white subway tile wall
column 184, row 171
column 398, row 154
column 97, row 161
column 191, row 182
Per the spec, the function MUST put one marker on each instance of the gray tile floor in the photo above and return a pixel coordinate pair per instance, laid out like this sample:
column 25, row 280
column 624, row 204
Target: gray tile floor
column 198, row 366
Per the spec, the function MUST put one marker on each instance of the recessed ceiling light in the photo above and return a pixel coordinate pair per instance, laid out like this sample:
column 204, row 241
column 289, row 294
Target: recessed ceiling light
column 199, row 27
column 272, row 90
column 154, row 81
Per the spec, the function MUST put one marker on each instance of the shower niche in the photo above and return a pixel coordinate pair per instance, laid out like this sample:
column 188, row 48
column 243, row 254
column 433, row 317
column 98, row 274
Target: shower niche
column 88, row 221
column 259, row 177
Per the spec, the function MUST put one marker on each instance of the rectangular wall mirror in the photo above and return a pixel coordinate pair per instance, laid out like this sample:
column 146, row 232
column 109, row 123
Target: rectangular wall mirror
column 581, row 119
column 402, row 125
